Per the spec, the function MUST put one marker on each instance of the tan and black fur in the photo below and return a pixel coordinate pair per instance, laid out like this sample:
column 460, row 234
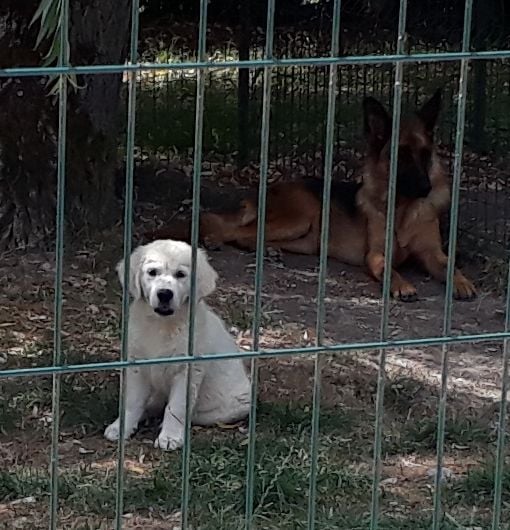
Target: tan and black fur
column 358, row 210
column 423, row 194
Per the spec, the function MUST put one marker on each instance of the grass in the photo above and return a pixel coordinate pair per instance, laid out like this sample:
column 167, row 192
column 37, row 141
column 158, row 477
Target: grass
column 478, row 486
column 165, row 113
column 173, row 105
column 460, row 431
column 86, row 405
column 217, row 477
column 218, row 468
column 413, row 426
column 218, row 461
column 217, row 499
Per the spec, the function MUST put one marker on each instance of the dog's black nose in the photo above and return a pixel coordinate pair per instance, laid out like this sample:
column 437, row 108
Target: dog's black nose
column 165, row 295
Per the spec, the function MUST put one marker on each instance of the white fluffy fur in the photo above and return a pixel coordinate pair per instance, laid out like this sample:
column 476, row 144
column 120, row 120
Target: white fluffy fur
column 220, row 390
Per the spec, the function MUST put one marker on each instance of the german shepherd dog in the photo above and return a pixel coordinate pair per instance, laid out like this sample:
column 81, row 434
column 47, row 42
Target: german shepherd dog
column 358, row 209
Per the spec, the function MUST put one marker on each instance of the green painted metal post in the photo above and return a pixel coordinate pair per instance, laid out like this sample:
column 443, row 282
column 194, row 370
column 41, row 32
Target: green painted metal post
column 323, row 262
column 128, row 220
column 259, row 265
column 502, row 424
column 388, row 259
column 59, row 261
column 195, row 233
column 452, row 248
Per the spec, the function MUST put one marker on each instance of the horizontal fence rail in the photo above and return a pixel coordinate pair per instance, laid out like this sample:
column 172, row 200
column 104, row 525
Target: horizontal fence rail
column 265, row 353
column 256, row 63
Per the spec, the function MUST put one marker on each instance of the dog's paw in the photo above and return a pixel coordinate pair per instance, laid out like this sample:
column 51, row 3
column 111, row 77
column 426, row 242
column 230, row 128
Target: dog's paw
column 463, row 289
column 406, row 296
column 112, row 432
column 212, row 243
column 403, row 291
column 169, row 442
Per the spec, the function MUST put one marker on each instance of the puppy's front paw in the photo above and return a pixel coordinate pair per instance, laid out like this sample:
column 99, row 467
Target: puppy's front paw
column 112, row 432
column 169, row 442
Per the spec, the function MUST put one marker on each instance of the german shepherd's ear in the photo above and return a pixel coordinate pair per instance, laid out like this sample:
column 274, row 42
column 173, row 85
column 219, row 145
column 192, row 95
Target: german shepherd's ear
column 430, row 111
column 377, row 123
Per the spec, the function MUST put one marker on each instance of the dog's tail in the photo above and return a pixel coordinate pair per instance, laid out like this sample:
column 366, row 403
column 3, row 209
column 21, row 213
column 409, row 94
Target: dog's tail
column 179, row 230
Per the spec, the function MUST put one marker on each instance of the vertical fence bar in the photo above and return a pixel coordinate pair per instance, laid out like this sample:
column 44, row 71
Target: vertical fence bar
column 259, row 268
column 452, row 248
column 323, row 262
column 128, row 218
column 195, row 232
column 388, row 262
column 500, row 450
column 59, row 261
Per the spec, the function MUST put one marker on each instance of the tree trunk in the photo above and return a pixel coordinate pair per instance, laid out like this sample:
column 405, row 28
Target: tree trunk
column 28, row 135
column 99, row 34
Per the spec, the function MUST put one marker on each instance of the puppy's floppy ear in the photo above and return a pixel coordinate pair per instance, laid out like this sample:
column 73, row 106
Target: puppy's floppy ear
column 376, row 123
column 135, row 266
column 429, row 113
column 206, row 275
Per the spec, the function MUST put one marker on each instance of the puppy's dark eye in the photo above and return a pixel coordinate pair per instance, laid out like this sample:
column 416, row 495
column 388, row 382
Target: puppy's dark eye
column 152, row 272
column 180, row 274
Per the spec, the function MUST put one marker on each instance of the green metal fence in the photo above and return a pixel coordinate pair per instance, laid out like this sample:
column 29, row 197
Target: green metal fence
column 299, row 94
column 399, row 59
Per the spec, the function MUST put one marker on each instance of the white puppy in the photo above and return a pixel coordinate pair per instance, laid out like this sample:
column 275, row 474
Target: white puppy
column 158, row 327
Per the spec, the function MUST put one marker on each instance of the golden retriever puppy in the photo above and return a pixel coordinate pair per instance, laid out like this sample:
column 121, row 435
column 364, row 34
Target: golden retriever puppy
column 158, row 327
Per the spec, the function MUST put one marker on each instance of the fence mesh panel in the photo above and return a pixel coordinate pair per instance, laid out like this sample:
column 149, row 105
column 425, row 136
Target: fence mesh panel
column 319, row 75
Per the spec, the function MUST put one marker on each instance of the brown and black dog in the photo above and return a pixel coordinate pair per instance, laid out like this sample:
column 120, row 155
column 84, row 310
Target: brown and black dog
column 358, row 210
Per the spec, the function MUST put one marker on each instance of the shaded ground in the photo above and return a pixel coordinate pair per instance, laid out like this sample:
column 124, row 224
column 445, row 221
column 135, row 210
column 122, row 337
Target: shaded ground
column 349, row 382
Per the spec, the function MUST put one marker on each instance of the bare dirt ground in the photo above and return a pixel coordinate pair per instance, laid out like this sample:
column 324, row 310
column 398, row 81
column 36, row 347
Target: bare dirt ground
column 349, row 380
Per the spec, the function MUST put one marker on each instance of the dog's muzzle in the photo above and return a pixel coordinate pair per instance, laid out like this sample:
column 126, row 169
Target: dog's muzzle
column 164, row 307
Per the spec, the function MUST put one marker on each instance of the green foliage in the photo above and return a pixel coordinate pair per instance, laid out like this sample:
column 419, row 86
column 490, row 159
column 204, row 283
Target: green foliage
column 53, row 18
